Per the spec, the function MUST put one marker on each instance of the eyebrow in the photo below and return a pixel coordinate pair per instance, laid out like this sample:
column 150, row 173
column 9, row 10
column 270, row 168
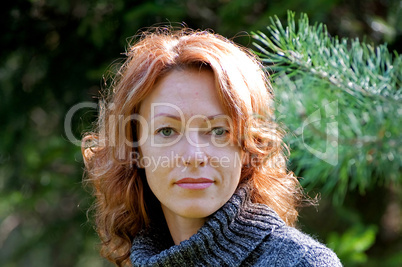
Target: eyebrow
column 167, row 115
column 212, row 117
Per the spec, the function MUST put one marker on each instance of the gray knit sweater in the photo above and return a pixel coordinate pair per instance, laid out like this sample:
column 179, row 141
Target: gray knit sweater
column 241, row 233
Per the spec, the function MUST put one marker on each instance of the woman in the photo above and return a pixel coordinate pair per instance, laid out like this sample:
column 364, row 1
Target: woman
column 187, row 163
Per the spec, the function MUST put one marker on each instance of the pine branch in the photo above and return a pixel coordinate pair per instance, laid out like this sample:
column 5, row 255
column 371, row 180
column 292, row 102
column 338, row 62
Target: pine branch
column 340, row 101
column 359, row 69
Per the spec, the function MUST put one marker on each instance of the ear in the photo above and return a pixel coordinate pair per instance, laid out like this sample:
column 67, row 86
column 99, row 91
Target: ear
column 88, row 148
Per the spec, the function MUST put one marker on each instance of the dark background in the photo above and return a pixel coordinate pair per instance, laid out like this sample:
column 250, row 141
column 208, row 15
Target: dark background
column 53, row 54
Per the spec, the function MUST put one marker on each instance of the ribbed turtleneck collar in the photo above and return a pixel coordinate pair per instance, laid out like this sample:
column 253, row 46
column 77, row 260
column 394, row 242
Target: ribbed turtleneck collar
column 226, row 239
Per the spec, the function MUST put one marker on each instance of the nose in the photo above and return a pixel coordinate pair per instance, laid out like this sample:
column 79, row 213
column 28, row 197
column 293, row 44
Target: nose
column 193, row 151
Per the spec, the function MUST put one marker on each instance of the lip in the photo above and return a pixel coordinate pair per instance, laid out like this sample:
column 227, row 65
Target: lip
column 195, row 183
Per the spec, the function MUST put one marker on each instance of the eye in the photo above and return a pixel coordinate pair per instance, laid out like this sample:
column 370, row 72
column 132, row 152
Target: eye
column 166, row 131
column 218, row 131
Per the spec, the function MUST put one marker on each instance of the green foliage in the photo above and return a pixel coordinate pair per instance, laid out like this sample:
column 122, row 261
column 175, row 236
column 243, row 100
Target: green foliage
column 351, row 245
column 357, row 68
column 340, row 100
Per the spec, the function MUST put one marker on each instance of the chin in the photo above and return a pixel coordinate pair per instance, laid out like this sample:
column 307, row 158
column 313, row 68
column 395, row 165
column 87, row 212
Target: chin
column 198, row 212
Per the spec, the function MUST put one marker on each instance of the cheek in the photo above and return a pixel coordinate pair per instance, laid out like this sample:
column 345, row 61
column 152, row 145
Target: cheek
column 236, row 164
column 229, row 159
column 157, row 162
column 157, row 182
column 229, row 164
column 150, row 157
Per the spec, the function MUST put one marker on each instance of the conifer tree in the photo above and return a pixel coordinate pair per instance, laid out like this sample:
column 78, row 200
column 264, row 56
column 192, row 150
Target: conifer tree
column 341, row 102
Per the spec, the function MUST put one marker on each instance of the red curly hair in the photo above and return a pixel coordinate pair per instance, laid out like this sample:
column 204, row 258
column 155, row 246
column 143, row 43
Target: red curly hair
column 122, row 205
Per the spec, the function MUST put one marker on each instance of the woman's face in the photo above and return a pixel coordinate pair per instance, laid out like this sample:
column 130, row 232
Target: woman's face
column 190, row 164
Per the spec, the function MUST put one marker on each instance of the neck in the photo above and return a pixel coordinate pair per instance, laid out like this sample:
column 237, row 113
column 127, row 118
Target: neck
column 181, row 228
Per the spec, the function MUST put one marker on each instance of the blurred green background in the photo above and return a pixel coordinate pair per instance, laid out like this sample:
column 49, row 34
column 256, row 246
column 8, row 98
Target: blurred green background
column 53, row 55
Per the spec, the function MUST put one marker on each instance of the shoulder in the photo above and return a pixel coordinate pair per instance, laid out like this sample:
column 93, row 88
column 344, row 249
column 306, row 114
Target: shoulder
column 287, row 246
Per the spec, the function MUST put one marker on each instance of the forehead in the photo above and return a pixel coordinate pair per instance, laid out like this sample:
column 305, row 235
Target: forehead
column 187, row 92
